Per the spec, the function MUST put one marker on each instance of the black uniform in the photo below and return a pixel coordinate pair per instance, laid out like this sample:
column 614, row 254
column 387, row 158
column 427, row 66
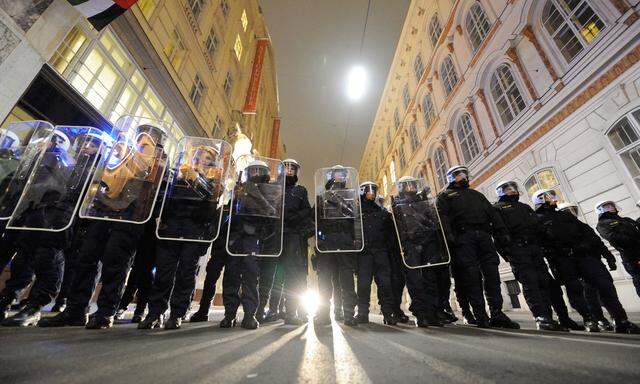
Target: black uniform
column 623, row 234
column 524, row 253
column 373, row 261
column 469, row 221
column 569, row 248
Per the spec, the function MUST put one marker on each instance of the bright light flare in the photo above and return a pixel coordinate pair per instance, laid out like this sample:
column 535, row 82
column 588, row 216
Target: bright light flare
column 356, row 83
column 311, row 302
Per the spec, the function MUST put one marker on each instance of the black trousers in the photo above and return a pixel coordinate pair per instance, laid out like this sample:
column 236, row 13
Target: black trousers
column 633, row 268
column 214, row 268
column 443, row 284
column 294, row 272
column 267, row 267
column 595, row 274
column 336, row 292
column 529, row 268
column 276, row 299
column 175, row 280
column 114, row 245
column 7, row 247
column 345, row 264
column 557, row 298
column 46, row 263
column 374, row 263
column 476, row 261
column 594, row 303
column 397, row 280
column 240, row 285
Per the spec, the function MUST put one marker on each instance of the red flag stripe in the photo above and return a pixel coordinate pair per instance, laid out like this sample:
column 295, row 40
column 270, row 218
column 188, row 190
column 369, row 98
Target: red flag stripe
column 126, row 4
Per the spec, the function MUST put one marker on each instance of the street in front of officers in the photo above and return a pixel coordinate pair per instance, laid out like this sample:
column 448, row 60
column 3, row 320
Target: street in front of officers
column 355, row 191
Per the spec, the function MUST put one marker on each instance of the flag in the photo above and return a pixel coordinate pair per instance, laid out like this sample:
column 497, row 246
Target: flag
column 101, row 12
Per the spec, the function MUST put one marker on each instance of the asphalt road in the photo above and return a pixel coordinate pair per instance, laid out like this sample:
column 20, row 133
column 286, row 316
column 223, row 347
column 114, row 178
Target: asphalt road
column 275, row 353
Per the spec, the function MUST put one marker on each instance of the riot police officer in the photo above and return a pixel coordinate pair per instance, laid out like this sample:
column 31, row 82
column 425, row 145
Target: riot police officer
column 623, row 234
column 373, row 261
column 470, row 221
column 524, row 253
column 569, row 250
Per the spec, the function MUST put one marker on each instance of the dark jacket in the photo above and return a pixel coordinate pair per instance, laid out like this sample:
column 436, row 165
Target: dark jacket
column 563, row 234
column 622, row 233
column 297, row 211
column 377, row 226
column 520, row 219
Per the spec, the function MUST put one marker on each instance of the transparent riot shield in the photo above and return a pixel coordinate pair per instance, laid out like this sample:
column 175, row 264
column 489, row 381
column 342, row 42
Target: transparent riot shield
column 20, row 145
column 60, row 176
column 338, row 213
column 127, row 180
column 256, row 219
column 192, row 202
column 419, row 231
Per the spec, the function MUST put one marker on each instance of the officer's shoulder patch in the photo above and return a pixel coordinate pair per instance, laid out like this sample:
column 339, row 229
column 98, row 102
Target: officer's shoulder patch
column 615, row 222
column 454, row 193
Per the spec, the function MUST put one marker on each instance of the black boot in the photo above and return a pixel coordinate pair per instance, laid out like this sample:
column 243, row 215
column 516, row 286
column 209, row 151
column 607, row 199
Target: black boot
column 389, row 319
column 350, row 321
column 60, row 305
column 447, row 317
column 605, row 325
column 401, row 317
column 5, row 305
column 28, row 316
column 591, row 326
column 173, row 322
column 97, row 321
column 433, row 320
column 568, row 323
column 269, row 317
column 500, row 320
column 201, row 315
column 468, row 318
column 249, row 322
column 362, row 318
column 547, row 324
column 482, row 322
column 625, row 326
column 119, row 314
column 138, row 314
column 228, row 321
column 151, row 321
column 64, row 319
column 260, row 315
column 422, row 322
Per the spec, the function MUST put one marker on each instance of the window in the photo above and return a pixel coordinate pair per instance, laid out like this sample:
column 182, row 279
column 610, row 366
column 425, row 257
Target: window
column 244, row 20
column 402, row 160
column 237, row 47
column 544, row 179
column 147, row 7
column 68, row 49
column 196, row 7
column 228, row 84
column 196, row 91
column 449, row 75
column 418, row 67
column 175, row 50
column 571, row 24
column 428, row 110
column 396, row 118
column 413, row 136
column 392, row 171
column 435, row 29
column 467, row 138
column 218, row 128
column 506, row 95
column 212, row 43
column 477, row 26
column 224, row 7
column 96, row 78
column 406, row 97
column 625, row 138
column 440, row 165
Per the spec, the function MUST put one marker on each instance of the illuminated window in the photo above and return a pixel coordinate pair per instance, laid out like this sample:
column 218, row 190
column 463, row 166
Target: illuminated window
column 467, row 138
column 175, row 50
column 224, row 7
column 228, row 84
column 237, row 47
column 544, row 179
column 147, row 7
column 96, row 78
column 385, row 184
column 392, row 171
column 428, row 110
column 413, row 136
column 477, row 26
column 406, row 97
column 418, row 67
column 441, row 166
column 212, row 43
column 506, row 95
column 435, row 29
column 396, row 118
column 115, row 52
column 196, row 7
column 625, row 138
column 244, row 20
column 402, row 160
column 196, row 91
column 448, row 74
column 68, row 49
column 571, row 24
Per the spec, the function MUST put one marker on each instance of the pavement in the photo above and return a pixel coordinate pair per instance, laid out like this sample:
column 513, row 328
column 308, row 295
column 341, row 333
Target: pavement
column 275, row 353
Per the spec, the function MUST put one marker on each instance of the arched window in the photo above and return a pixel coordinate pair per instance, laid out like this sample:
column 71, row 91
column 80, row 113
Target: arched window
column 396, row 118
column 506, row 95
column 413, row 136
column 392, row 171
column 625, row 138
column 418, row 67
column 449, row 75
column 440, row 166
column 402, row 160
column 406, row 98
column 572, row 25
column 477, row 26
column 435, row 29
column 467, row 138
column 385, row 184
column 544, row 179
column 428, row 110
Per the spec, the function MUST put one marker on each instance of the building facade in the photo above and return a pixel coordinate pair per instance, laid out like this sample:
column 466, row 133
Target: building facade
column 206, row 67
column 543, row 92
